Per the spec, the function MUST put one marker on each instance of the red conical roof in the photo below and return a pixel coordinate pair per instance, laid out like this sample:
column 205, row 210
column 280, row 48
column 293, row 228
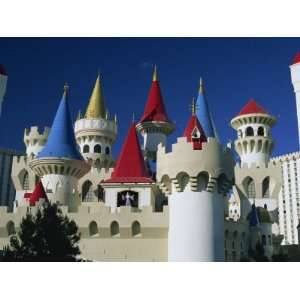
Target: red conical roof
column 252, row 107
column 39, row 193
column 130, row 167
column 296, row 58
column 155, row 108
column 195, row 133
column 2, row 71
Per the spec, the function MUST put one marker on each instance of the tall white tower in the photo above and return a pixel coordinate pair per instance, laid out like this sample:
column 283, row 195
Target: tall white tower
column 196, row 175
column 295, row 75
column 253, row 125
column 96, row 132
column 154, row 125
column 3, row 83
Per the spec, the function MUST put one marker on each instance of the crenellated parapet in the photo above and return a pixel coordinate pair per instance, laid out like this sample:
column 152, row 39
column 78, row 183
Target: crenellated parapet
column 212, row 163
column 35, row 139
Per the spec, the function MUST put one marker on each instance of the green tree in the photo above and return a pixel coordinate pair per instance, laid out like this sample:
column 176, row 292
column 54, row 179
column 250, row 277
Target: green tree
column 47, row 235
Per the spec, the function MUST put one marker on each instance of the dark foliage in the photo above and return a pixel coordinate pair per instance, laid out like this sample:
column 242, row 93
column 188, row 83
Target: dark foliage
column 46, row 236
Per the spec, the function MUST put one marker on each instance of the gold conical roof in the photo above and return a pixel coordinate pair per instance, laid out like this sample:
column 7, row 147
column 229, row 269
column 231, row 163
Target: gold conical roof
column 96, row 108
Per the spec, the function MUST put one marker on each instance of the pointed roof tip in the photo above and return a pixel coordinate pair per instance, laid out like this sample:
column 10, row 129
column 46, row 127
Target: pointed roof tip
column 201, row 86
column 66, row 91
column 155, row 75
column 130, row 167
column 194, row 106
column 96, row 107
column 2, row 70
column 296, row 58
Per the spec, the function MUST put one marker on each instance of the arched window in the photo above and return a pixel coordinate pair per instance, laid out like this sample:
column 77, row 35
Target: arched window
column 202, row 182
column 136, row 228
column 87, row 192
column 263, row 240
column 93, row 229
column 183, row 180
column 226, row 234
column 250, row 188
column 10, row 227
column 107, row 150
column 100, row 193
column 86, row 149
column 240, row 133
column 266, row 187
column 114, row 229
column 261, row 131
column 25, row 183
column 97, row 148
column 249, row 131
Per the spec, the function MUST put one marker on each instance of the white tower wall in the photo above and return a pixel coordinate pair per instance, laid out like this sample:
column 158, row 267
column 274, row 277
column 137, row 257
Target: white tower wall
column 295, row 76
column 196, row 229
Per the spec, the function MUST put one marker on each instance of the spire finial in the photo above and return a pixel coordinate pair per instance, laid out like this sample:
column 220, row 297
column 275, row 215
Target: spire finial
column 66, row 90
column 194, row 106
column 155, row 77
column 201, row 86
column 133, row 118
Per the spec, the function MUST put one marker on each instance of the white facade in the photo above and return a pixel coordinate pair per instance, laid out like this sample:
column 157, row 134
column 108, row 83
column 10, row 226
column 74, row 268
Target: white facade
column 289, row 200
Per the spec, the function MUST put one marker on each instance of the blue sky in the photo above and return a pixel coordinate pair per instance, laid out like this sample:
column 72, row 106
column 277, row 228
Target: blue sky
column 233, row 69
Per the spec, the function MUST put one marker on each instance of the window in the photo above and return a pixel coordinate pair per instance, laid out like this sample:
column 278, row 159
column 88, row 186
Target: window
column 249, row 131
column 86, row 149
column 25, row 183
column 87, row 192
column 114, row 229
column 136, row 228
column 107, row 150
column 250, row 188
column 202, row 181
column 100, row 193
column 264, row 240
column 266, row 187
column 97, row 148
column 261, row 131
column 93, row 229
column 128, row 198
column 270, row 239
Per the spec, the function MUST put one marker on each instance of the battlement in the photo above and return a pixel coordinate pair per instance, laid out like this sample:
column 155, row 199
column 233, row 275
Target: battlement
column 286, row 157
column 33, row 133
column 100, row 127
column 212, row 159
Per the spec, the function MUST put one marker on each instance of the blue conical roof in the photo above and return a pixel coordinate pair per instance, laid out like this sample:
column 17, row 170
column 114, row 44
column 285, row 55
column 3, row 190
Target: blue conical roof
column 203, row 113
column 61, row 142
column 253, row 217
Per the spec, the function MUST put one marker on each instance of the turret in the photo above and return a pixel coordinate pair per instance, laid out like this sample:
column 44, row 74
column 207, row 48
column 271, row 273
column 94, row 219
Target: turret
column 3, row 83
column 154, row 125
column 196, row 185
column 96, row 132
column 35, row 140
column 254, row 142
column 59, row 164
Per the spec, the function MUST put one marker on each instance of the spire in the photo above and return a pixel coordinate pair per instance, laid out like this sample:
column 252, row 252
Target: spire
column 203, row 112
column 155, row 108
column 155, row 77
column 61, row 141
column 130, row 167
column 38, row 193
column 96, row 107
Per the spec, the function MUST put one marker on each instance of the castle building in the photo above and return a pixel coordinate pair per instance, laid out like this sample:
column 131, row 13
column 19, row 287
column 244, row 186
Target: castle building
column 3, row 83
column 178, row 212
